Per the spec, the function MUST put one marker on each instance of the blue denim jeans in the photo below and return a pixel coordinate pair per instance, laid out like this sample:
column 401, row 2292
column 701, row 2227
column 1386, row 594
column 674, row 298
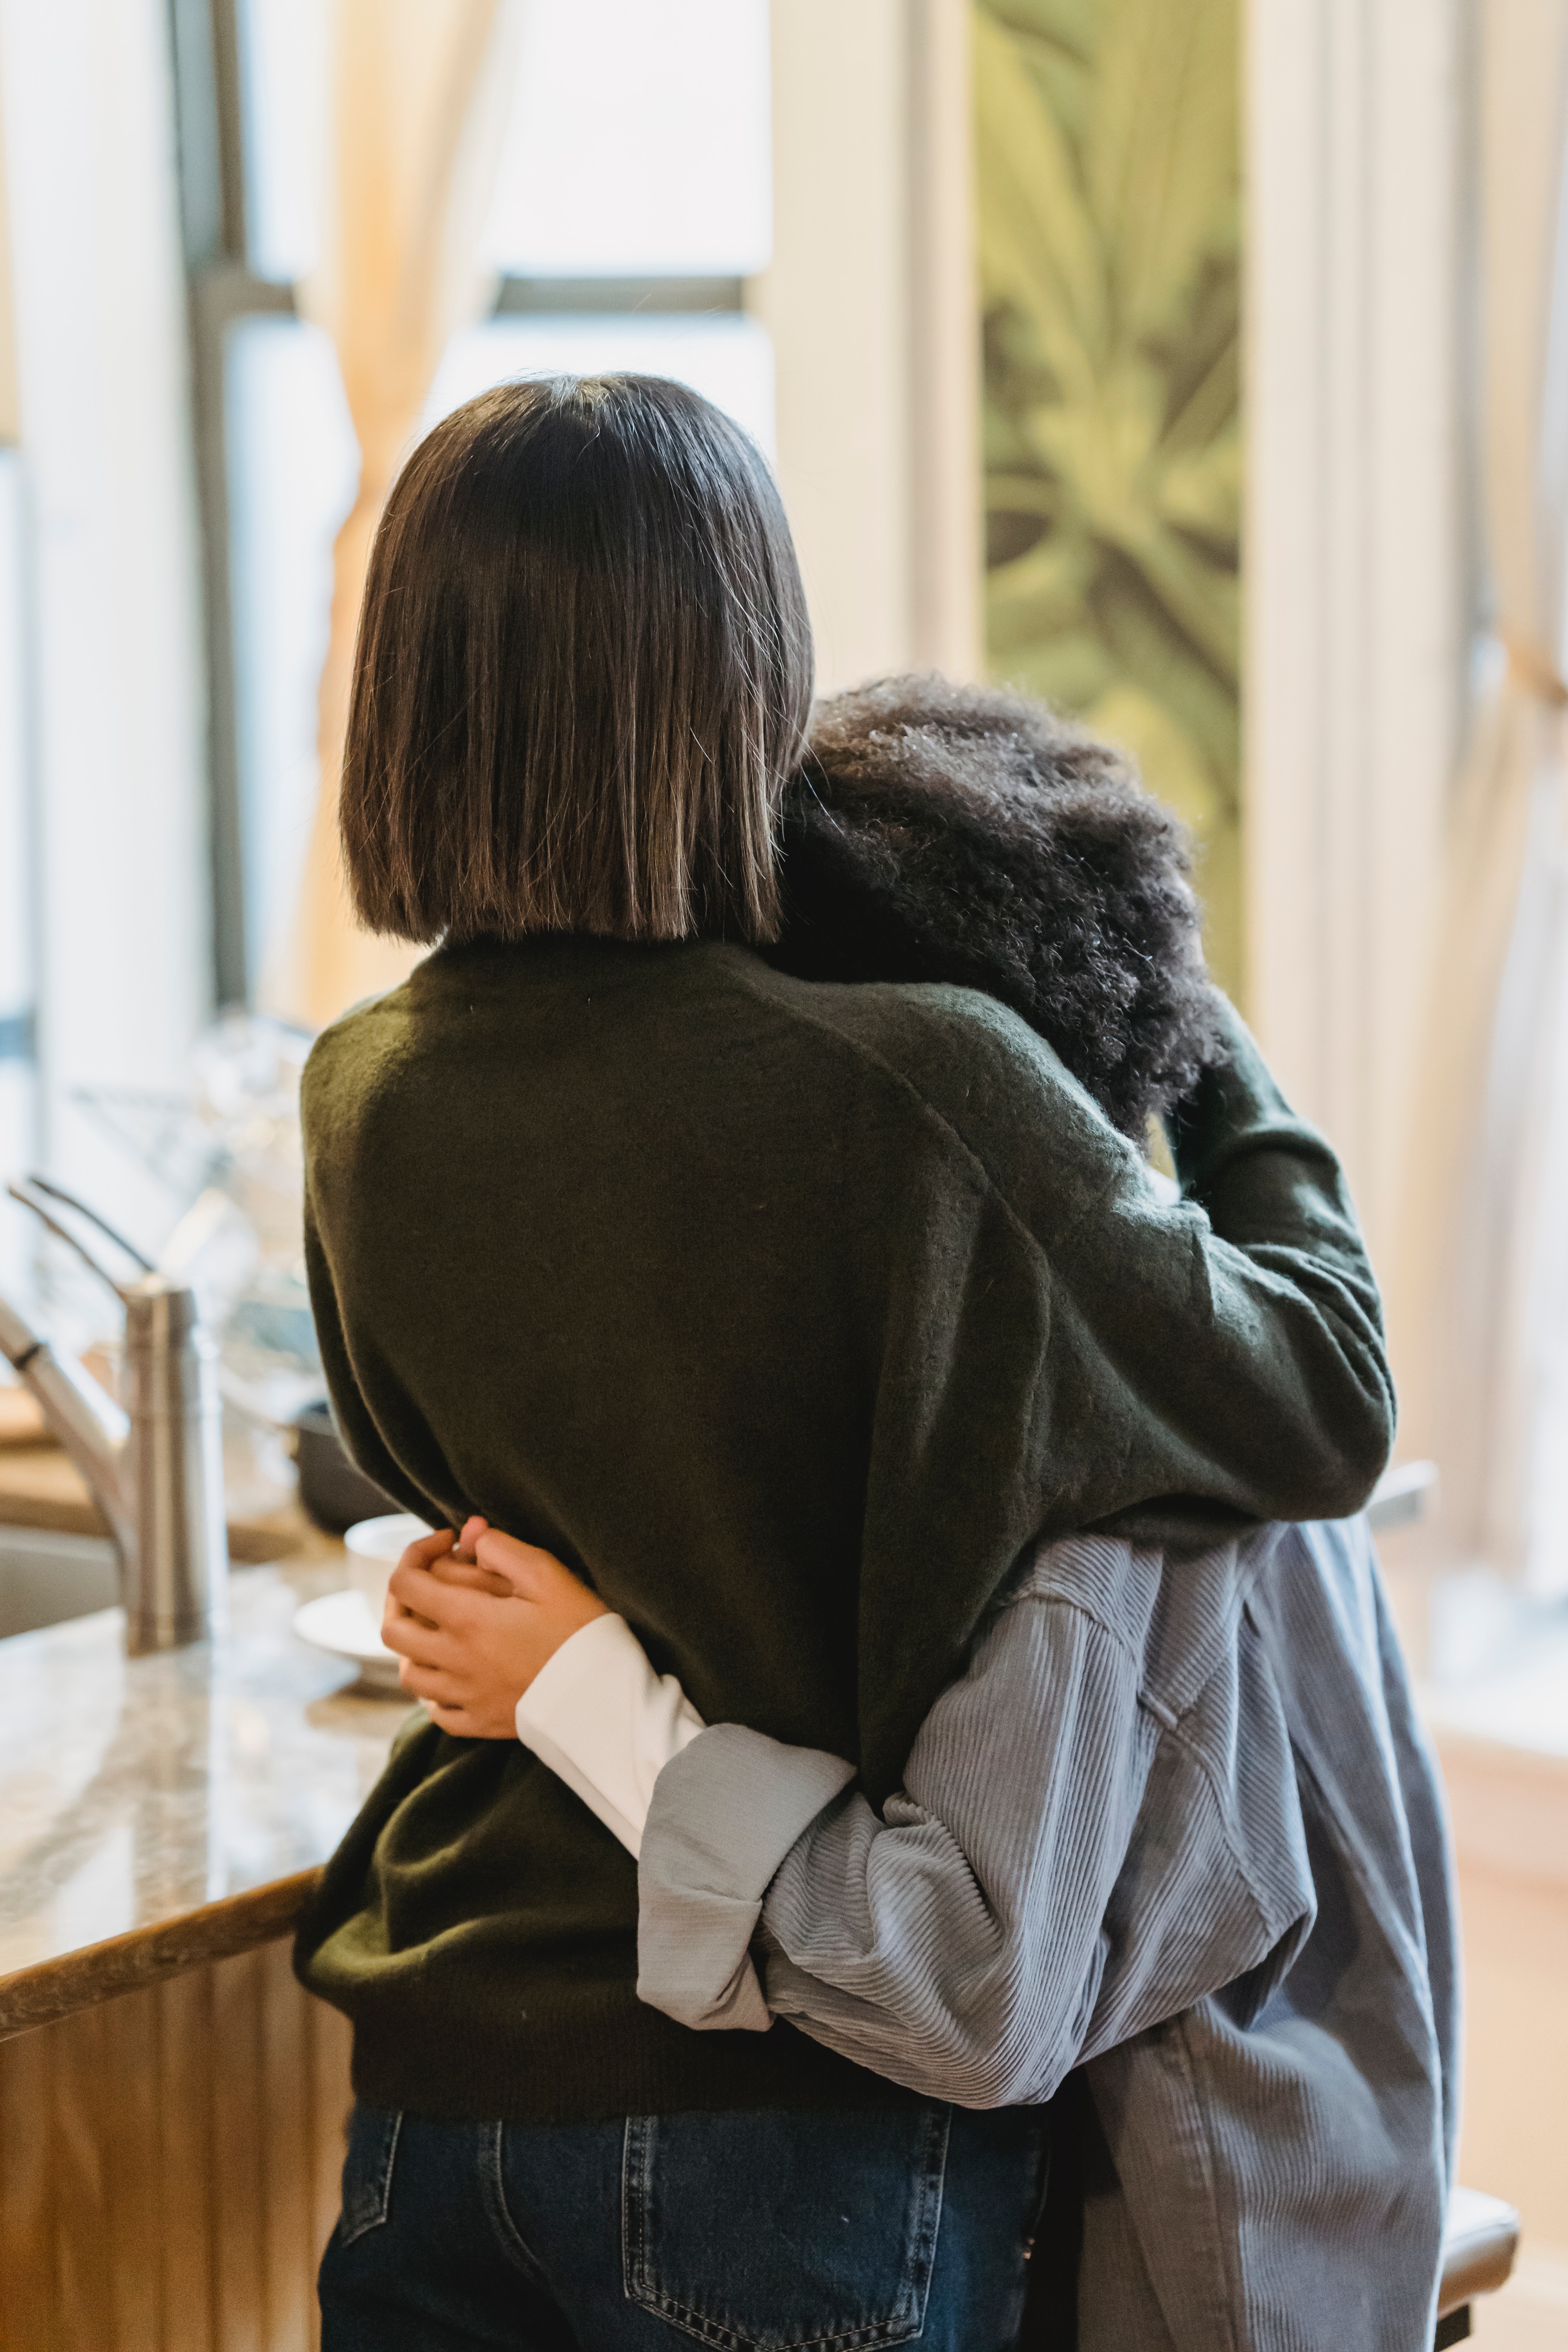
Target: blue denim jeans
column 767, row 2230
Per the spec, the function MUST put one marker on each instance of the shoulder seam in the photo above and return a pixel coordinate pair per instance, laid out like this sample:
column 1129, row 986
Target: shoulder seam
column 868, row 1054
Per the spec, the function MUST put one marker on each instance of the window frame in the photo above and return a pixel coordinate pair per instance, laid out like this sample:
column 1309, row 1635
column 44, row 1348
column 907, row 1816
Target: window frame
column 221, row 288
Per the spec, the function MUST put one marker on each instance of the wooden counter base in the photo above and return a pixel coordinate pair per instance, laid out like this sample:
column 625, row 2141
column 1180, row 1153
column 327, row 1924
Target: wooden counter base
column 172, row 2103
column 169, row 2166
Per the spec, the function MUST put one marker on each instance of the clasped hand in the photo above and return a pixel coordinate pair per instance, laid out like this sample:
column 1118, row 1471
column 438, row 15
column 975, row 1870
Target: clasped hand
column 473, row 1617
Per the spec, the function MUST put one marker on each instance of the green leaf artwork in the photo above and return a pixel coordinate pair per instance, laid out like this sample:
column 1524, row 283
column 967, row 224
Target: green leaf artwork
column 1109, row 209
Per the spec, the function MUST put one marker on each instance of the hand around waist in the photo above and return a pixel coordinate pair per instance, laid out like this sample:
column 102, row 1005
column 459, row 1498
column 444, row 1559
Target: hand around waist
column 473, row 1618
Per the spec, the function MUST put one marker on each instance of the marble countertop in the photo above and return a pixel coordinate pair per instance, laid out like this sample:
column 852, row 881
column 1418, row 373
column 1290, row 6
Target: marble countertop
column 158, row 1813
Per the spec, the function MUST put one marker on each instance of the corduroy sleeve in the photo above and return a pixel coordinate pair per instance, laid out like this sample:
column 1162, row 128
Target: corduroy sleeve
column 1071, row 1860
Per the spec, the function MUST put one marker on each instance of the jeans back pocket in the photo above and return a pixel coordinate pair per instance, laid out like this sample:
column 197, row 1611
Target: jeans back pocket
column 367, row 2169
column 781, row 2230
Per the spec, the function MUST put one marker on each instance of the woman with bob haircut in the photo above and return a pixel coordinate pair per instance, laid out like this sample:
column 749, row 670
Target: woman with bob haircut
column 786, row 1312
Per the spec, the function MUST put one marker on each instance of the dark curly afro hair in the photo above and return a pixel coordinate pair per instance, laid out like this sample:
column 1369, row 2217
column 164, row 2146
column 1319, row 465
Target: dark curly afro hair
column 947, row 833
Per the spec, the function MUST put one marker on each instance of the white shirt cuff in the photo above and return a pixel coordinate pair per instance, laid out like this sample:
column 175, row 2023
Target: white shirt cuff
column 606, row 1724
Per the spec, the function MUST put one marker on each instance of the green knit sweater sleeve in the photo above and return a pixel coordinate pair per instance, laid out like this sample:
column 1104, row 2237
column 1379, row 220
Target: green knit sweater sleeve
column 1087, row 1354
column 1284, row 1260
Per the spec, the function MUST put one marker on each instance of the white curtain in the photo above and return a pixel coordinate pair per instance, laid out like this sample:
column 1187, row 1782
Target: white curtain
column 1481, row 1305
column 420, row 95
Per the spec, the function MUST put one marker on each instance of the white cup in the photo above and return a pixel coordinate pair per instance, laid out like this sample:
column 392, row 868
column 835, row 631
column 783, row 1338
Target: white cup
column 375, row 1546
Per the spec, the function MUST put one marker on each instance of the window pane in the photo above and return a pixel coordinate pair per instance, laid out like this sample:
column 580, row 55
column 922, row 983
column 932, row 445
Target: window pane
column 729, row 359
column 293, row 466
column 639, row 141
column 637, row 146
column 284, row 51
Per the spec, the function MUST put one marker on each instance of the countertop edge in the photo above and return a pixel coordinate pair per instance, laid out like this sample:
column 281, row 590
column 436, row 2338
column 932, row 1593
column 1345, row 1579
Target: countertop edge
column 98, row 1972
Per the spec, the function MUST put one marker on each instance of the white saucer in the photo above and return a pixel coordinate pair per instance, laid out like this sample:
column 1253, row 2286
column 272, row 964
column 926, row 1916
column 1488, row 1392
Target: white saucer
column 341, row 1622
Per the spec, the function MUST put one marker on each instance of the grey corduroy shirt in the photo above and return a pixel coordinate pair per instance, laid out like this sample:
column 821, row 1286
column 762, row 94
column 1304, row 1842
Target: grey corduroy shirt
column 1176, row 1825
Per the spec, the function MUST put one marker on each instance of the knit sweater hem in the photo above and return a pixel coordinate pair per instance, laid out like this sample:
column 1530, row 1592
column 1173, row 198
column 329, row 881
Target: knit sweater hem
column 571, row 2069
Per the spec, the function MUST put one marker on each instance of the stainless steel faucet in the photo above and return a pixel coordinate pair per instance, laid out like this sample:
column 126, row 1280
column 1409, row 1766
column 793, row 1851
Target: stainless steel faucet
column 155, row 1470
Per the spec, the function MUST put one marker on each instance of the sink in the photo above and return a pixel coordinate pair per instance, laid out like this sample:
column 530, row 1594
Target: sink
column 47, row 1578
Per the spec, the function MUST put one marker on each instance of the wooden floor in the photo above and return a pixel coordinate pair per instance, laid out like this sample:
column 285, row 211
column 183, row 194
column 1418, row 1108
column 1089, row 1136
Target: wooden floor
column 169, row 2166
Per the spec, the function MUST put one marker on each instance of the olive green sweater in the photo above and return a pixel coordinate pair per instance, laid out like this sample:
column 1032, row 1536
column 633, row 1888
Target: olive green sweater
column 786, row 1313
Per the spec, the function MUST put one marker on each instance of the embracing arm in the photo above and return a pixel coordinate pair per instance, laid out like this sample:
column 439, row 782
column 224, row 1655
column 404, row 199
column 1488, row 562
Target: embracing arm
column 1064, row 1349
column 1204, row 1362
column 1061, row 1870
column 954, row 1944
column 1287, row 1268
column 1098, row 1824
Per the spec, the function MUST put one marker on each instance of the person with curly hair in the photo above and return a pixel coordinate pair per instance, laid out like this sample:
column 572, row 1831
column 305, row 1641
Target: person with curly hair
column 965, row 835
column 1172, row 1841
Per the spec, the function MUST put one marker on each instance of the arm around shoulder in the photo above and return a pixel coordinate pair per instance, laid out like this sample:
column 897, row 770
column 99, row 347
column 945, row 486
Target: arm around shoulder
column 1207, row 1362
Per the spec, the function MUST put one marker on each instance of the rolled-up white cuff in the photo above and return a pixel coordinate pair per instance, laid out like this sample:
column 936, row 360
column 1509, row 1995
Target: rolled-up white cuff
column 606, row 1724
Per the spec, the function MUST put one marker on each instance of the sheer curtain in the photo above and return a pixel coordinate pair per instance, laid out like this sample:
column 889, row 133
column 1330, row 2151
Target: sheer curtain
column 1481, row 1306
column 419, row 101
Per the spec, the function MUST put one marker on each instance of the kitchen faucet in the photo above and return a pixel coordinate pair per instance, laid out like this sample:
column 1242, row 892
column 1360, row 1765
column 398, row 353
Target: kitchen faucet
column 155, row 1471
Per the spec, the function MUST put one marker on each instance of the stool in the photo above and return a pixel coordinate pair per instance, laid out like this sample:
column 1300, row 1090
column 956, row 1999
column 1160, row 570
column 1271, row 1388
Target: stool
column 1478, row 2247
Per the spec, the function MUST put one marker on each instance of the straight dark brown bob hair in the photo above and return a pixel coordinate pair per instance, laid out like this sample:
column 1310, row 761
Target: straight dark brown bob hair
column 583, row 674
